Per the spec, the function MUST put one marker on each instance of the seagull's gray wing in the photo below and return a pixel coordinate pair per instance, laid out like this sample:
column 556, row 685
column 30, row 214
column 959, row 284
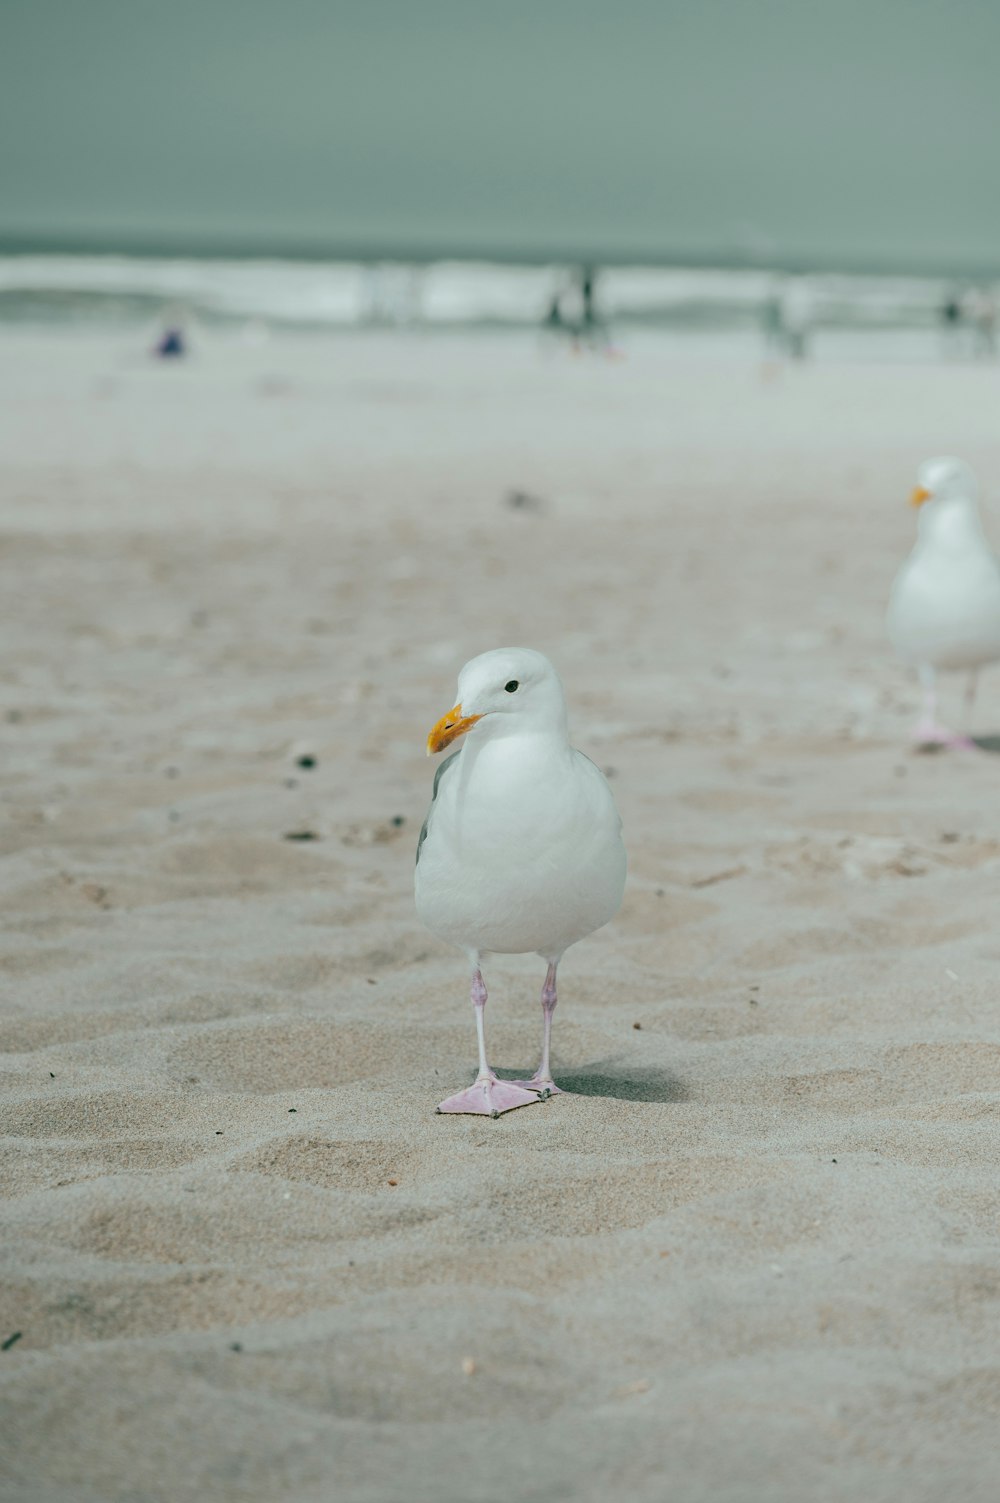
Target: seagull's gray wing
column 434, row 793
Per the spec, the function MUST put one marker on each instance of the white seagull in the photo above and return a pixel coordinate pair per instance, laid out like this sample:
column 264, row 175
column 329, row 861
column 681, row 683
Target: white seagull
column 521, row 851
column 944, row 610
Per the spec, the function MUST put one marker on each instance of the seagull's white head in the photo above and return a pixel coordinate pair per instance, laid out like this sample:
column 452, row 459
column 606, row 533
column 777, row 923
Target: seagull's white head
column 509, row 689
column 944, row 480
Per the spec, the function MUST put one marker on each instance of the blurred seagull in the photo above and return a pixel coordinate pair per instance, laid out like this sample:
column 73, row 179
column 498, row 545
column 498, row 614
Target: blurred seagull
column 521, row 850
column 944, row 610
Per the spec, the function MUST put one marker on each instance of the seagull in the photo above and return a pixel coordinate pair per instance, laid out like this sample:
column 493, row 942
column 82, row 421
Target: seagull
column 944, row 610
column 522, row 849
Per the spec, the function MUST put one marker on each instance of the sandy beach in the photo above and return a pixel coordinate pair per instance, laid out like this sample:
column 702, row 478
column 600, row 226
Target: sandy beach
column 751, row 1255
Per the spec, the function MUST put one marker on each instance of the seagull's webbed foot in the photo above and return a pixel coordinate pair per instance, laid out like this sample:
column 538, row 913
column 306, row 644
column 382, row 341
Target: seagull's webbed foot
column 929, row 736
column 543, row 1089
column 489, row 1097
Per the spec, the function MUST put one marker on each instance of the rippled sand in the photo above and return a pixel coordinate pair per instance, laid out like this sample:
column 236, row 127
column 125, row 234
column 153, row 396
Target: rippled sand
column 752, row 1253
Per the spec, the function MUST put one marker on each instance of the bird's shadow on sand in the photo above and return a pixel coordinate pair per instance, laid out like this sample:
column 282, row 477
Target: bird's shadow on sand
column 621, row 1082
column 990, row 743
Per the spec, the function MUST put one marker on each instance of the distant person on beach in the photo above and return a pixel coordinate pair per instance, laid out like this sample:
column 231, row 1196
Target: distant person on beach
column 587, row 278
column 170, row 344
column 585, row 326
column 554, row 318
column 595, row 325
column 952, row 322
column 951, row 312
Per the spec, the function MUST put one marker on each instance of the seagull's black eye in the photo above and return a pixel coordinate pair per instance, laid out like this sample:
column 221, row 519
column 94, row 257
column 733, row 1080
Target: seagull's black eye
column 511, row 686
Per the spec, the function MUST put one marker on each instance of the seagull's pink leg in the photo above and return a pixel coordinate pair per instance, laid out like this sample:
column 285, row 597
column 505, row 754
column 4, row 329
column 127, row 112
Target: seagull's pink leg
column 488, row 1096
column 971, row 685
column 542, row 1081
column 929, row 731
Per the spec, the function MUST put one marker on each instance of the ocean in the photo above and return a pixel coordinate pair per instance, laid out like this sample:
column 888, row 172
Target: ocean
column 447, row 294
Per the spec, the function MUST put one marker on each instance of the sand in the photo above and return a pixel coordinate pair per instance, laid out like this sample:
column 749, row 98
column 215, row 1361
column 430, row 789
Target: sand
column 752, row 1255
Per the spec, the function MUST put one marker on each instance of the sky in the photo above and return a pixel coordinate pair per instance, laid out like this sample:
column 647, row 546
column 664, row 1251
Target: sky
column 833, row 133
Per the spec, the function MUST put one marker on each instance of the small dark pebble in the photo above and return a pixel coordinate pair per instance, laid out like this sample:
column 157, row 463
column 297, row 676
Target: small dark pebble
column 397, row 821
column 5, row 1346
column 218, row 1132
column 833, row 1161
column 752, row 1001
column 637, row 1025
column 372, row 981
column 306, row 762
column 523, row 501
column 755, row 988
column 52, row 1074
column 293, row 1108
column 236, row 1346
column 301, row 835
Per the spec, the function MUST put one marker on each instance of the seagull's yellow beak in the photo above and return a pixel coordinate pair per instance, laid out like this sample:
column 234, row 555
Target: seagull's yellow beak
column 449, row 728
column 920, row 495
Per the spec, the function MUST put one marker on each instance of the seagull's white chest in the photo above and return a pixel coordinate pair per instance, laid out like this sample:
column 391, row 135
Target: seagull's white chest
column 523, row 849
column 944, row 610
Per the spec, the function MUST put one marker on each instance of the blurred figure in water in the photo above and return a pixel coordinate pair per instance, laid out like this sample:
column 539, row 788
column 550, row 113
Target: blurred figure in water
column 587, row 278
column 951, row 321
column 771, row 320
column 391, row 294
column 982, row 315
column 797, row 314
